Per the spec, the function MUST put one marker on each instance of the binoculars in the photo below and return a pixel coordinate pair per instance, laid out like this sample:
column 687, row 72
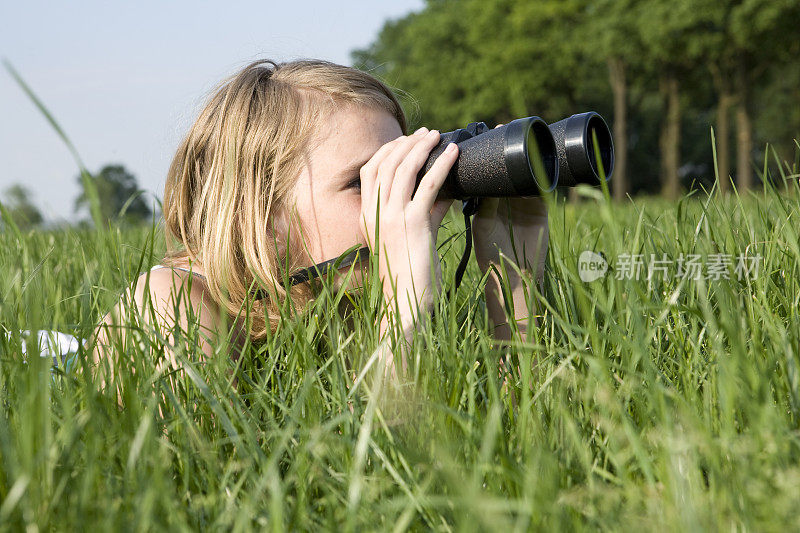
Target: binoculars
column 525, row 157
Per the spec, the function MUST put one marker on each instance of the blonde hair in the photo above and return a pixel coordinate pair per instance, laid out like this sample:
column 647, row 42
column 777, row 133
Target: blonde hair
column 237, row 167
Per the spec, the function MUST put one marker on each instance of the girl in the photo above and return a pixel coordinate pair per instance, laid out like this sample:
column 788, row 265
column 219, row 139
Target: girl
column 291, row 164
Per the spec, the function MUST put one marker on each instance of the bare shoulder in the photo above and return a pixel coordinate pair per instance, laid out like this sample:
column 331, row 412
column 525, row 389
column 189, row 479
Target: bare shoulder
column 170, row 291
column 164, row 284
column 165, row 298
column 161, row 298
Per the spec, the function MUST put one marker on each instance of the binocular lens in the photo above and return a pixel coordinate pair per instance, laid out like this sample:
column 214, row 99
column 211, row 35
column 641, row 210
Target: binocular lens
column 542, row 158
column 597, row 128
column 575, row 138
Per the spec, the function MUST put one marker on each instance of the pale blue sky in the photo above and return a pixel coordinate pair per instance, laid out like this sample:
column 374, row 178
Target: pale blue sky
column 125, row 80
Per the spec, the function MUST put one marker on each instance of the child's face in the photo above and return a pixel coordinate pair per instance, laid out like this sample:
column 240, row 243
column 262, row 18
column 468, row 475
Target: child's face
column 328, row 192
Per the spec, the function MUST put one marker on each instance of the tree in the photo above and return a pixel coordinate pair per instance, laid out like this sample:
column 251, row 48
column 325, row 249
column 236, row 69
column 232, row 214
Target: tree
column 668, row 29
column 476, row 60
column 428, row 56
column 115, row 188
column 739, row 41
column 20, row 207
column 720, row 58
column 613, row 25
column 762, row 33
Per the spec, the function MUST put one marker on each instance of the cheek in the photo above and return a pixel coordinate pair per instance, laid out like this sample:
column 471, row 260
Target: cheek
column 335, row 211
column 348, row 219
column 338, row 223
column 346, row 225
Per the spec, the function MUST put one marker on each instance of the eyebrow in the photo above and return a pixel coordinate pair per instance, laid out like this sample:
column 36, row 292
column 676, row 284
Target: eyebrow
column 355, row 167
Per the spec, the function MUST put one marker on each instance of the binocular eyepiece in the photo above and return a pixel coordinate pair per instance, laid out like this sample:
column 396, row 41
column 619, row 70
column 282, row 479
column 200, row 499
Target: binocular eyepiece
column 525, row 157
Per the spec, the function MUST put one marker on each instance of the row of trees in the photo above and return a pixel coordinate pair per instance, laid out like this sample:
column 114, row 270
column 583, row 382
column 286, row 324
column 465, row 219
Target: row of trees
column 662, row 70
column 117, row 190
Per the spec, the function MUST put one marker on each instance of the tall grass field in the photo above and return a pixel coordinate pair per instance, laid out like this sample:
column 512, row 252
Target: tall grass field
column 656, row 396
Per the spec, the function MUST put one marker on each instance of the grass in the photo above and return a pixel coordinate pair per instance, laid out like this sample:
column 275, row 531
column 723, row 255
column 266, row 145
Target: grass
column 662, row 403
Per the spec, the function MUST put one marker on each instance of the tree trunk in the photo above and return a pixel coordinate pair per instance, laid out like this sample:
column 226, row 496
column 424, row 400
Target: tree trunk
column 670, row 137
column 744, row 144
column 723, row 140
column 619, row 181
column 744, row 130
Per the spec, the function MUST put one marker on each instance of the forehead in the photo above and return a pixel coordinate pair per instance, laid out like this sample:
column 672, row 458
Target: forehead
column 352, row 134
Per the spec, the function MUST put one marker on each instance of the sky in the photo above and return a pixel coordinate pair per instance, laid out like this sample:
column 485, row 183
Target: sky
column 125, row 81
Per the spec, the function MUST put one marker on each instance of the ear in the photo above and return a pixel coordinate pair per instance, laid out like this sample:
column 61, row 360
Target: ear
column 279, row 229
column 290, row 239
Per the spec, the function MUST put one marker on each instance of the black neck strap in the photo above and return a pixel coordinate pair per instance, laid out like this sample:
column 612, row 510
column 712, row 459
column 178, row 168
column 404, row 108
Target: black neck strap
column 468, row 207
column 322, row 269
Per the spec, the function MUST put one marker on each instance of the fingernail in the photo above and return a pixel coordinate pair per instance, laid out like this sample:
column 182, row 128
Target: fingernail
column 420, row 131
column 433, row 133
column 450, row 148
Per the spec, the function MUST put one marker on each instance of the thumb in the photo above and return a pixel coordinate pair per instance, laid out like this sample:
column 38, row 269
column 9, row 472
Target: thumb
column 487, row 208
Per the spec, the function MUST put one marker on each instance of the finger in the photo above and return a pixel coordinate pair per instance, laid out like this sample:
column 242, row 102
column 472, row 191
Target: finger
column 370, row 187
column 370, row 183
column 497, row 126
column 408, row 170
column 439, row 211
column 369, row 171
column 433, row 180
column 368, row 231
column 388, row 167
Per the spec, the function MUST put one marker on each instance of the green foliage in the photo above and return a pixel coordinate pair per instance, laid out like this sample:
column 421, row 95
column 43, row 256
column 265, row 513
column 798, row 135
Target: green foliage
column 651, row 403
column 20, row 208
column 118, row 194
column 638, row 403
column 468, row 60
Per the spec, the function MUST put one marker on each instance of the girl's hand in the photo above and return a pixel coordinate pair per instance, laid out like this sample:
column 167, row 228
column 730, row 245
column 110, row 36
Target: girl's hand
column 497, row 220
column 409, row 266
